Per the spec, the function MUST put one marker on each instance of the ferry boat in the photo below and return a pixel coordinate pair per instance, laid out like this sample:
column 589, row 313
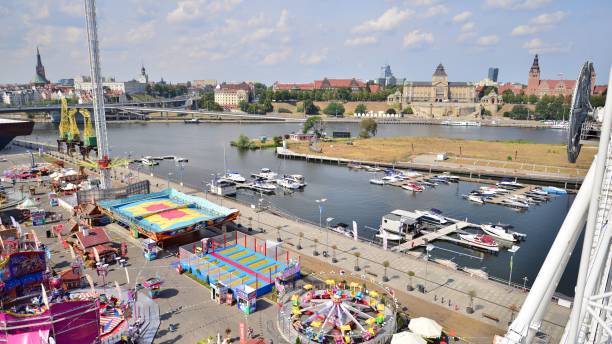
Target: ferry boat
column 235, row 177
column 434, row 216
column 192, row 121
column 223, row 187
column 412, row 187
column 265, row 173
column 481, row 241
column 11, row 128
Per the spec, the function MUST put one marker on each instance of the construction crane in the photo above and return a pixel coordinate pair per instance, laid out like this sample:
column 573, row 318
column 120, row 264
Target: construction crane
column 64, row 125
column 74, row 134
column 89, row 142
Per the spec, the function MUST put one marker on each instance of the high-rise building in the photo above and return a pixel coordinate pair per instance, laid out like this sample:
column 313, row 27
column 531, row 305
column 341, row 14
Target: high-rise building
column 493, row 73
column 386, row 76
column 40, row 78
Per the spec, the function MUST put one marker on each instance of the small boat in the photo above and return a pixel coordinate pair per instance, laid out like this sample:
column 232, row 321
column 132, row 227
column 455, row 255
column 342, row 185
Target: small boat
column 390, row 236
column 475, row 199
column 439, row 180
column 342, row 228
column 148, row 162
column 510, row 184
column 433, row 215
column 297, row 178
column 481, row 240
column 377, row 181
column 390, row 179
column 431, row 181
column 515, row 204
column 192, row 121
column 373, row 169
column 427, row 183
column 538, row 191
column 354, row 166
column 554, row 190
column 412, row 187
column 498, row 232
column 262, row 185
column 411, row 174
column 288, row 184
column 179, row 159
column 449, row 177
column 235, row 177
column 265, row 173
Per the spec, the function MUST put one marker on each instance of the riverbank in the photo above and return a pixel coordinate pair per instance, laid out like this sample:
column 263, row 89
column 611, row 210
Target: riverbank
column 492, row 298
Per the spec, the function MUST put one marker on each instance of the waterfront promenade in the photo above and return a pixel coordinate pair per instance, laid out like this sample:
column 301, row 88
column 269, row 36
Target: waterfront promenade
column 492, row 298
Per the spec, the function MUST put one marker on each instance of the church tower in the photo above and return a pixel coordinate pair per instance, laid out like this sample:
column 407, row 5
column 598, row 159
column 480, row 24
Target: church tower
column 533, row 81
column 40, row 78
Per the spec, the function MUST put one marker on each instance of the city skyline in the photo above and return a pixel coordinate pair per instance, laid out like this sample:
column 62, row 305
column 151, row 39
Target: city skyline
column 274, row 41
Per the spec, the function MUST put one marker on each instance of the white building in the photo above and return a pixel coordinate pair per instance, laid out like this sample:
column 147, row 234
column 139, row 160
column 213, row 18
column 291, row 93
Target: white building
column 230, row 95
column 83, row 83
column 20, row 97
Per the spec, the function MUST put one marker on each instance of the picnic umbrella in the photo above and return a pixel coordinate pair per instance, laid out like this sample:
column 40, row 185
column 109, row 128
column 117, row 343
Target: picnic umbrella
column 407, row 338
column 374, row 293
column 330, row 282
column 308, row 286
column 425, row 327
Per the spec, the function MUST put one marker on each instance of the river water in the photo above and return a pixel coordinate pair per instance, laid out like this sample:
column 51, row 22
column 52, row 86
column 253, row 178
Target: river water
column 348, row 193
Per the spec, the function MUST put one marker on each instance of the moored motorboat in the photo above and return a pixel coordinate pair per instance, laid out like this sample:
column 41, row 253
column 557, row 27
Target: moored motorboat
column 288, row 184
column 342, row 228
column 481, row 240
column 433, row 215
column 265, row 173
column 377, row 181
column 498, row 232
column 412, row 187
column 554, row 190
column 235, row 177
column 475, row 199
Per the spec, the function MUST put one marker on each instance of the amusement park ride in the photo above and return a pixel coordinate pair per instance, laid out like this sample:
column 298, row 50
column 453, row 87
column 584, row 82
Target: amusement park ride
column 69, row 134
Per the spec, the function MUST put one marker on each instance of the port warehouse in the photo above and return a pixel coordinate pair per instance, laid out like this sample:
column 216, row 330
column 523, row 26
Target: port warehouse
column 166, row 214
column 467, row 174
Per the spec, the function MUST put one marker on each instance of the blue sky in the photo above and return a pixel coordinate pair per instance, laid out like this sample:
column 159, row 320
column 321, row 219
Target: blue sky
column 296, row 41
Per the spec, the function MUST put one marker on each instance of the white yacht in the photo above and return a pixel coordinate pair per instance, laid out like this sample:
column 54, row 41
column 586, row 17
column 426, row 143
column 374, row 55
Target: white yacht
column 434, row 215
column 377, row 181
column 235, row 177
column 147, row 161
column 263, row 186
column 498, row 232
column 288, row 184
column 296, row 178
column 266, row 173
column 511, row 184
column 475, row 199
column 390, row 179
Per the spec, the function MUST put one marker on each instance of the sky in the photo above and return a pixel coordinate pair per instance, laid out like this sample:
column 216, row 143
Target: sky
column 299, row 41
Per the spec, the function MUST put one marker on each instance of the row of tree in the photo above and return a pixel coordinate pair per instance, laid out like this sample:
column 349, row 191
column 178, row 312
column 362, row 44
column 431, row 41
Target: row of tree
column 343, row 94
column 166, row 90
column 547, row 108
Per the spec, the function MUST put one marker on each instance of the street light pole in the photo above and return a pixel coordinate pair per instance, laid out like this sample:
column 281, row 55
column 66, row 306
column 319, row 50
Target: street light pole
column 169, row 175
column 513, row 251
column 320, row 202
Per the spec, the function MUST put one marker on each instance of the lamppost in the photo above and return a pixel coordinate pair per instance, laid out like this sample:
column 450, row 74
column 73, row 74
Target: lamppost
column 320, row 203
column 525, row 283
column 169, row 175
column 428, row 249
column 327, row 221
column 513, row 251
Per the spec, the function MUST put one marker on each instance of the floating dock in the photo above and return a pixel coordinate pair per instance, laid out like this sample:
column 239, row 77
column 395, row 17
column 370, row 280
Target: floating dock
column 441, row 233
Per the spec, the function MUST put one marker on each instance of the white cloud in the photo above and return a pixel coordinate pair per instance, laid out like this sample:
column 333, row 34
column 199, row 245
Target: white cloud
column 464, row 36
column 552, row 18
column 72, row 7
column 469, row 26
column 436, row 10
column 423, row 2
column 545, row 21
column 463, row 16
column 487, row 40
column 188, row 10
column 314, row 58
column 387, row 21
column 361, row 40
column 141, row 33
column 537, row 46
column 281, row 25
column 257, row 35
column 517, row 4
column 73, row 34
column 277, row 56
column 417, row 38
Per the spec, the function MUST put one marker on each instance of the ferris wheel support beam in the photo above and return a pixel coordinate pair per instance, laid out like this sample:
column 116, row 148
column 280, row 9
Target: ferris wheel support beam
column 582, row 286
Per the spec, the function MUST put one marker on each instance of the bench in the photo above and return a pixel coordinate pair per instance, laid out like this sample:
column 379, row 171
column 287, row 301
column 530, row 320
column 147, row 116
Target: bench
column 491, row 317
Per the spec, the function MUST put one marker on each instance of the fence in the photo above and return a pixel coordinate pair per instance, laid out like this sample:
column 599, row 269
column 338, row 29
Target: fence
column 95, row 195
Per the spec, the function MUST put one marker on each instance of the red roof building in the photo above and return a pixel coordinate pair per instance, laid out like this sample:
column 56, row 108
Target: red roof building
column 515, row 88
column 293, row 87
column 95, row 237
column 325, row 84
column 540, row 87
column 600, row 90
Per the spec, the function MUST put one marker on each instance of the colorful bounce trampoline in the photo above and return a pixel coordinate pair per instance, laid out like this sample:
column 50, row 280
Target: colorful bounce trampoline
column 236, row 266
column 165, row 214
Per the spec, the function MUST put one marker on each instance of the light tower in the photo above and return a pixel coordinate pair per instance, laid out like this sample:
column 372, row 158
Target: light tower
column 97, row 94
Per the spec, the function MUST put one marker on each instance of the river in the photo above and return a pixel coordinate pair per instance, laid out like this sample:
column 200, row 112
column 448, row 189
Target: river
column 348, row 193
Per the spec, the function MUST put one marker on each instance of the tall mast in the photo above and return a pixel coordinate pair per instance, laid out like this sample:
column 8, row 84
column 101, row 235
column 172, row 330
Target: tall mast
column 97, row 93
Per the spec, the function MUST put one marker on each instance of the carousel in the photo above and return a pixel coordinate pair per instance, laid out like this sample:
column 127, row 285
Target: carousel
column 342, row 313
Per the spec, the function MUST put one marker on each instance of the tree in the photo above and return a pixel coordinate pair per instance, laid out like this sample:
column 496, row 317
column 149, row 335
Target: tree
column 278, row 141
column 391, row 111
column 508, row 97
column 407, row 111
column 410, row 275
column 243, row 142
column 472, row 295
column 309, row 108
column 533, row 99
column 311, row 122
column 598, row 101
column 314, row 251
column 207, row 102
column 334, row 109
column 278, row 236
column 361, row 108
column 300, row 236
column 369, row 126
column 385, row 265
column 357, row 255
column 334, row 247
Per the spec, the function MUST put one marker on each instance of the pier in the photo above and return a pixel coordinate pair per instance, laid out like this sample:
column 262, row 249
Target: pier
column 434, row 235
